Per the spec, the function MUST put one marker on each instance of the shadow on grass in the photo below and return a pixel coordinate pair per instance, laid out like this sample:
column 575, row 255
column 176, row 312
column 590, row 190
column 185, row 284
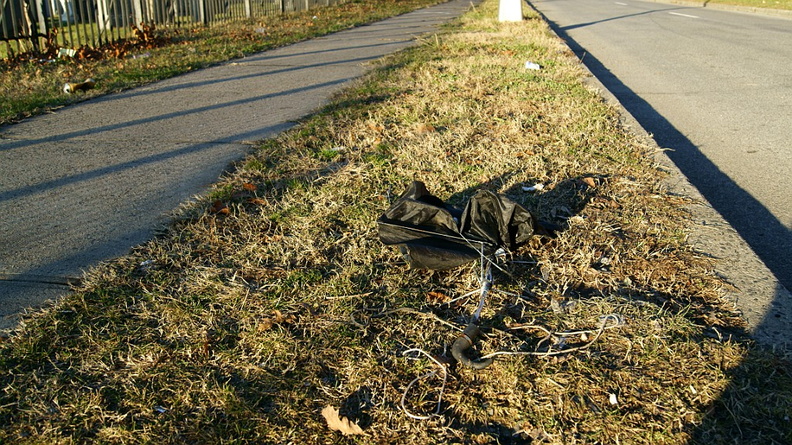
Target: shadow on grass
column 756, row 407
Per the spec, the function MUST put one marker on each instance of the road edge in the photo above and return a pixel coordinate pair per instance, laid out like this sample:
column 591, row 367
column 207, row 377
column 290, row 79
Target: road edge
column 780, row 13
column 762, row 301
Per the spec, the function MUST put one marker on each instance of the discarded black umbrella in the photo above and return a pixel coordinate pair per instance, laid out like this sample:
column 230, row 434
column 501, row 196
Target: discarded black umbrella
column 434, row 235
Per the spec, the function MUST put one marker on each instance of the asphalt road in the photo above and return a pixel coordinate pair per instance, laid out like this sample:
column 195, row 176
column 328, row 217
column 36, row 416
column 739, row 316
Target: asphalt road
column 90, row 181
column 722, row 82
column 715, row 88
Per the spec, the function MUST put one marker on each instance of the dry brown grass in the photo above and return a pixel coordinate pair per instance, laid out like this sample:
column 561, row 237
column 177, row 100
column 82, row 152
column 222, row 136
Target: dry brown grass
column 273, row 298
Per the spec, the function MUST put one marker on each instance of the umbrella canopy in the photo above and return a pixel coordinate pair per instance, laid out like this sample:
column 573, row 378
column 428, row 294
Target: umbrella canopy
column 435, row 235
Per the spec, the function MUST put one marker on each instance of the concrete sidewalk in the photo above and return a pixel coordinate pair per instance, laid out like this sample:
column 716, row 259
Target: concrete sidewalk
column 87, row 183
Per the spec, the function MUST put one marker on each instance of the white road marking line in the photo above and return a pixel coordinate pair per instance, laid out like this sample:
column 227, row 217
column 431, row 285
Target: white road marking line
column 620, row 3
column 684, row 15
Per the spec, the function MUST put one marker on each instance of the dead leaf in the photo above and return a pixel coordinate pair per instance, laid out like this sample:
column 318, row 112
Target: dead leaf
column 257, row 201
column 375, row 126
column 424, row 128
column 249, row 187
column 342, row 424
column 219, row 207
column 525, row 154
column 265, row 325
column 277, row 318
column 437, row 297
column 589, row 182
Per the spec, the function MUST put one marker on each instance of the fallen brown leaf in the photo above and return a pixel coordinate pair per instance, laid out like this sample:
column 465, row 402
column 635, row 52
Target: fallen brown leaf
column 437, row 297
column 219, row 207
column 589, row 182
column 424, row 128
column 277, row 318
column 524, row 154
column 375, row 126
column 337, row 423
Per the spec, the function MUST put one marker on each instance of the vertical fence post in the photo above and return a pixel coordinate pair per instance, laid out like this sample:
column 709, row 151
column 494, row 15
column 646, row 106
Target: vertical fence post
column 10, row 22
column 103, row 15
column 202, row 17
column 137, row 7
column 248, row 12
column 39, row 27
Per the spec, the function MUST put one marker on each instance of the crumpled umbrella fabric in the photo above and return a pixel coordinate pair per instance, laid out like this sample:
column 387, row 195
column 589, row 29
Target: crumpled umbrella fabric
column 434, row 235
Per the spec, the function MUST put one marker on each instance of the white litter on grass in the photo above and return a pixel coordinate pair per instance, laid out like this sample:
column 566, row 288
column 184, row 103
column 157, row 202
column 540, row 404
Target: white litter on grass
column 66, row 52
column 532, row 66
column 534, row 188
column 612, row 399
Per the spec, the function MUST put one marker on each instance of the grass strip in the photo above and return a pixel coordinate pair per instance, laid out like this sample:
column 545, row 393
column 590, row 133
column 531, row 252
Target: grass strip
column 36, row 86
column 272, row 298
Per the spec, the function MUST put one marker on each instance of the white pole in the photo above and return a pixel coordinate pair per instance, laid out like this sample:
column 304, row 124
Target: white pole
column 510, row 11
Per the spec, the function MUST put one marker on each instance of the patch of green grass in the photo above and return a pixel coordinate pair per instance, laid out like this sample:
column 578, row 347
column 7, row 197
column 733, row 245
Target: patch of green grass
column 328, row 154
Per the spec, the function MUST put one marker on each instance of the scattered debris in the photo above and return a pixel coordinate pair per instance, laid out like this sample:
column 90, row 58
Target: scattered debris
column 146, row 37
column 534, row 188
column 532, row 66
column 425, row 376
column 64, row 53
column 616, row 321
column 73, row 87
column 146, row 266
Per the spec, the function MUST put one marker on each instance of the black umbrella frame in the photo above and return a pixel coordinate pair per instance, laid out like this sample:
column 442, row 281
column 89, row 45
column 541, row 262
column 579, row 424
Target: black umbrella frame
column 434, row 235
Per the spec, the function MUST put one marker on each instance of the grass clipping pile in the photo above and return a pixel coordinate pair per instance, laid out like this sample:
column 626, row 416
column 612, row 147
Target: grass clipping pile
column 271, row 312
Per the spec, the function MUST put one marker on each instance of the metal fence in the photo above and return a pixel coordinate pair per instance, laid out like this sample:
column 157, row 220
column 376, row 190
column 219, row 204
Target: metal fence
column 70, row 24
